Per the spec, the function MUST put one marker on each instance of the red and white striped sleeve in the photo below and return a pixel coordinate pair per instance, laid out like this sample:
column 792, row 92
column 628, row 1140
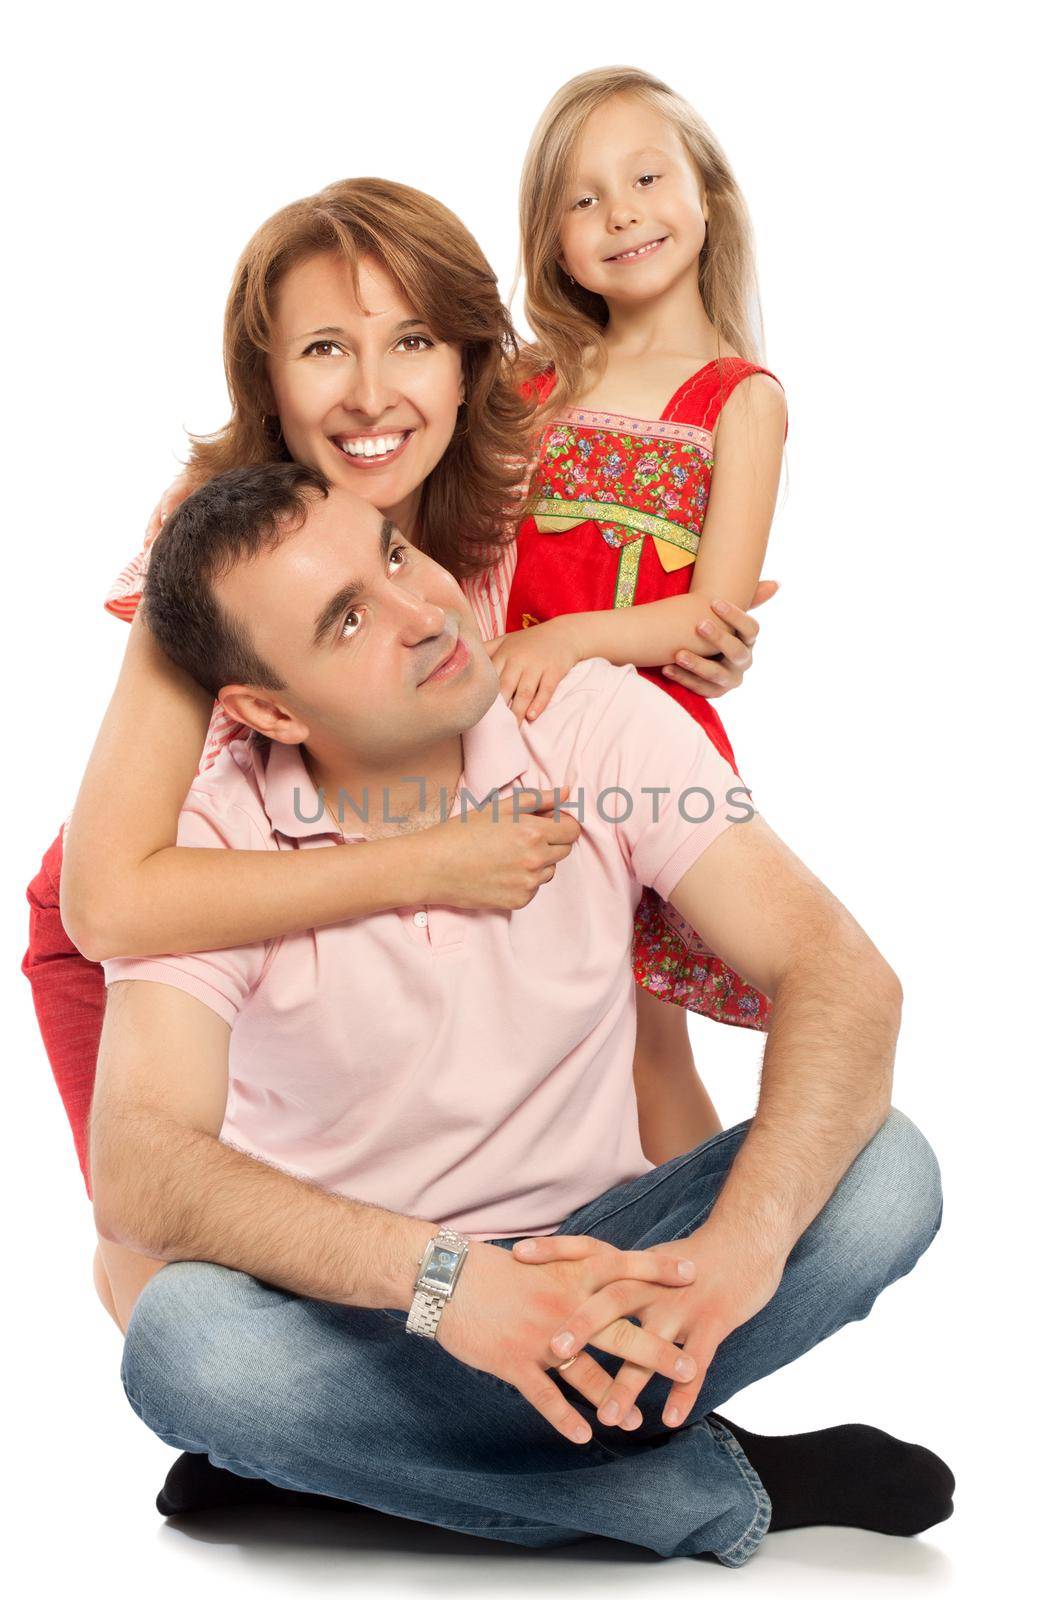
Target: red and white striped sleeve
column 488, row 593
column 121, row 600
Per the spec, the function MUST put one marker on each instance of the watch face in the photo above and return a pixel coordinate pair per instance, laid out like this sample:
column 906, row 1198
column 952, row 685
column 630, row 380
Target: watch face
column 440, row 1269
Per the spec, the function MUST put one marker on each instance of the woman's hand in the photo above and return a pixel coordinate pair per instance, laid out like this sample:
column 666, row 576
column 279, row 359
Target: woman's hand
column 727, row 1291
column 502, row 1315
column 713, row 676
column 531, row 663
column 179, row 490
column 483, row 861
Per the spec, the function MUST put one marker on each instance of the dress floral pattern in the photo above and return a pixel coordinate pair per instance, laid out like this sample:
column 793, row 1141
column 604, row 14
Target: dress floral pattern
column 615, row 519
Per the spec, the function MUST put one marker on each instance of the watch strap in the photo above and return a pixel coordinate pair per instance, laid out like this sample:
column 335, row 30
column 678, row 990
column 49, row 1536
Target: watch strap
column 424, row 1315
column 427, row 1305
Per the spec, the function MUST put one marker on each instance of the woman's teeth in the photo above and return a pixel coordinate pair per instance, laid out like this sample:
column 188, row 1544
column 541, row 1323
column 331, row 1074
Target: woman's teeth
column 383, row 446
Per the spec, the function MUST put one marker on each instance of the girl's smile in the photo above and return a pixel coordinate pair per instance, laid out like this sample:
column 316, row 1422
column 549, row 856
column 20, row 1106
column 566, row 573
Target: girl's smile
column 639, row 252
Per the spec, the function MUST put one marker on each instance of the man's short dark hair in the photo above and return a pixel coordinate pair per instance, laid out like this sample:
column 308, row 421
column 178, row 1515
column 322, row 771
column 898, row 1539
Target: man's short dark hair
column 235, row 517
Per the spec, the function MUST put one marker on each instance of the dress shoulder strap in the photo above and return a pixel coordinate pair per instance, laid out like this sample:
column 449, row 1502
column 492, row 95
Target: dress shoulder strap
column 701, row 399
column 539, row 386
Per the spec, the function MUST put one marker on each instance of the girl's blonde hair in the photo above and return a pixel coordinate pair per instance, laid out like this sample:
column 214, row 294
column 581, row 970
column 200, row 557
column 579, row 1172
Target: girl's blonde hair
column 567, row 319
column 469, row 501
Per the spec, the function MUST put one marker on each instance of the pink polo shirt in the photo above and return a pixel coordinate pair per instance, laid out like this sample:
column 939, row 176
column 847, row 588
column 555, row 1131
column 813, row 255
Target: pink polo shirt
column 470, row 1068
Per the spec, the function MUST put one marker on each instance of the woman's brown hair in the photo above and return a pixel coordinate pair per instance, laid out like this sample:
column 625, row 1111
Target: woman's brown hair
column 470, row 500
column 567, row 319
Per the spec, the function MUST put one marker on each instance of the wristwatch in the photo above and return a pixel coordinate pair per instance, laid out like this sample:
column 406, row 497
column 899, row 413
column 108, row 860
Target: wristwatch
column 439, row 1268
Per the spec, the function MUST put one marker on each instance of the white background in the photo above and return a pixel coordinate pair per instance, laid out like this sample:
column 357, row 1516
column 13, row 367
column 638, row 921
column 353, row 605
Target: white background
column 888, row 727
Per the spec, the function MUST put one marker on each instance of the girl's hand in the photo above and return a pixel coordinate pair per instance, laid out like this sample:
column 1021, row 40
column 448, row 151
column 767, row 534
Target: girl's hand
column 531, row 663
column 727, row 1291
column 710, row 675
column 179, row 490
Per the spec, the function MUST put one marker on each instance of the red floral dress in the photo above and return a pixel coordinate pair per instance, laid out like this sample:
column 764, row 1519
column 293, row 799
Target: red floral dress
column 616, row 514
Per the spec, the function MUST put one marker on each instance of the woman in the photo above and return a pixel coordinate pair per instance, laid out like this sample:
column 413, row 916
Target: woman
column 365, row 336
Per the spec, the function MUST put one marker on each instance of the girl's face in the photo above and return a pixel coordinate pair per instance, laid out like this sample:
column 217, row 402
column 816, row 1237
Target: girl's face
column 363, row 389
column 633, row 221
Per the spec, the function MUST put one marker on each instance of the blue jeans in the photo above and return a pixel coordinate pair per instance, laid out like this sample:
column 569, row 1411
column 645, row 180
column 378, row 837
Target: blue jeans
column 341, row 1401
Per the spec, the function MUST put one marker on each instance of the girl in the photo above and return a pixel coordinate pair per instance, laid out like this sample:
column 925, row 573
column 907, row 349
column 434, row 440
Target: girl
column 365, row 336
column 653, row 490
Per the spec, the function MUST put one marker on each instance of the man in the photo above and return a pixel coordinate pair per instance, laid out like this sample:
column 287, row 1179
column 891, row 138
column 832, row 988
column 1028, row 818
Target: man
column 295, row 1126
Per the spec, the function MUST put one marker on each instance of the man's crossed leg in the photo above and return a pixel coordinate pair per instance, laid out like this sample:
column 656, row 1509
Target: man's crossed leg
column 340, row 1401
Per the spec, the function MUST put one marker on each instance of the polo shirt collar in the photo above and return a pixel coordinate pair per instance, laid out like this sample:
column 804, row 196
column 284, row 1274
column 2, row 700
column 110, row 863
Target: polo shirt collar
column 494, row 753
column 494, row 756
column 290, row 798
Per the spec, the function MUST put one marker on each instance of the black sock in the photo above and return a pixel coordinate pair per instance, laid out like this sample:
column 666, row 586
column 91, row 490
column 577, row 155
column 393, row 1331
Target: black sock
column 853, row 1476
column 193, row 1483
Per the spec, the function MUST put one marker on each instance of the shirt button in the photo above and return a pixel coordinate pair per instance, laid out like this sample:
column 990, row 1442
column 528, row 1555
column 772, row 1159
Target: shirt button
column 420, row 919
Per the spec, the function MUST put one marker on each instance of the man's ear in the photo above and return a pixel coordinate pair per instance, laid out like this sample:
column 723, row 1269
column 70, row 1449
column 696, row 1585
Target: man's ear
column 260, row 712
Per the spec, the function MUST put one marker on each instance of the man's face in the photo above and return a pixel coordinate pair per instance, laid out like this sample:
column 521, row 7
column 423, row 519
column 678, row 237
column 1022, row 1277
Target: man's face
column 360, row 626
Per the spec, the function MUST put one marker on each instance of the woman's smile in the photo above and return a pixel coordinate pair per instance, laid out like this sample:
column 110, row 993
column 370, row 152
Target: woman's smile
column 372, row 450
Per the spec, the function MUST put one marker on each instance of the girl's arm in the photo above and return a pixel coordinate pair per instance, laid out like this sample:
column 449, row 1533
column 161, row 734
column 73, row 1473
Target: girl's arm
column 749, row 443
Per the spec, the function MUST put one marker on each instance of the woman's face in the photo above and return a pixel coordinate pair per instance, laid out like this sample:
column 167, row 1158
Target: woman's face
column 363, row 389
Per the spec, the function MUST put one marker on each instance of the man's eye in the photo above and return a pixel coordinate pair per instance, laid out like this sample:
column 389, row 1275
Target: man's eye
column 420, row 340
column 323, row 347
column 349, row 627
